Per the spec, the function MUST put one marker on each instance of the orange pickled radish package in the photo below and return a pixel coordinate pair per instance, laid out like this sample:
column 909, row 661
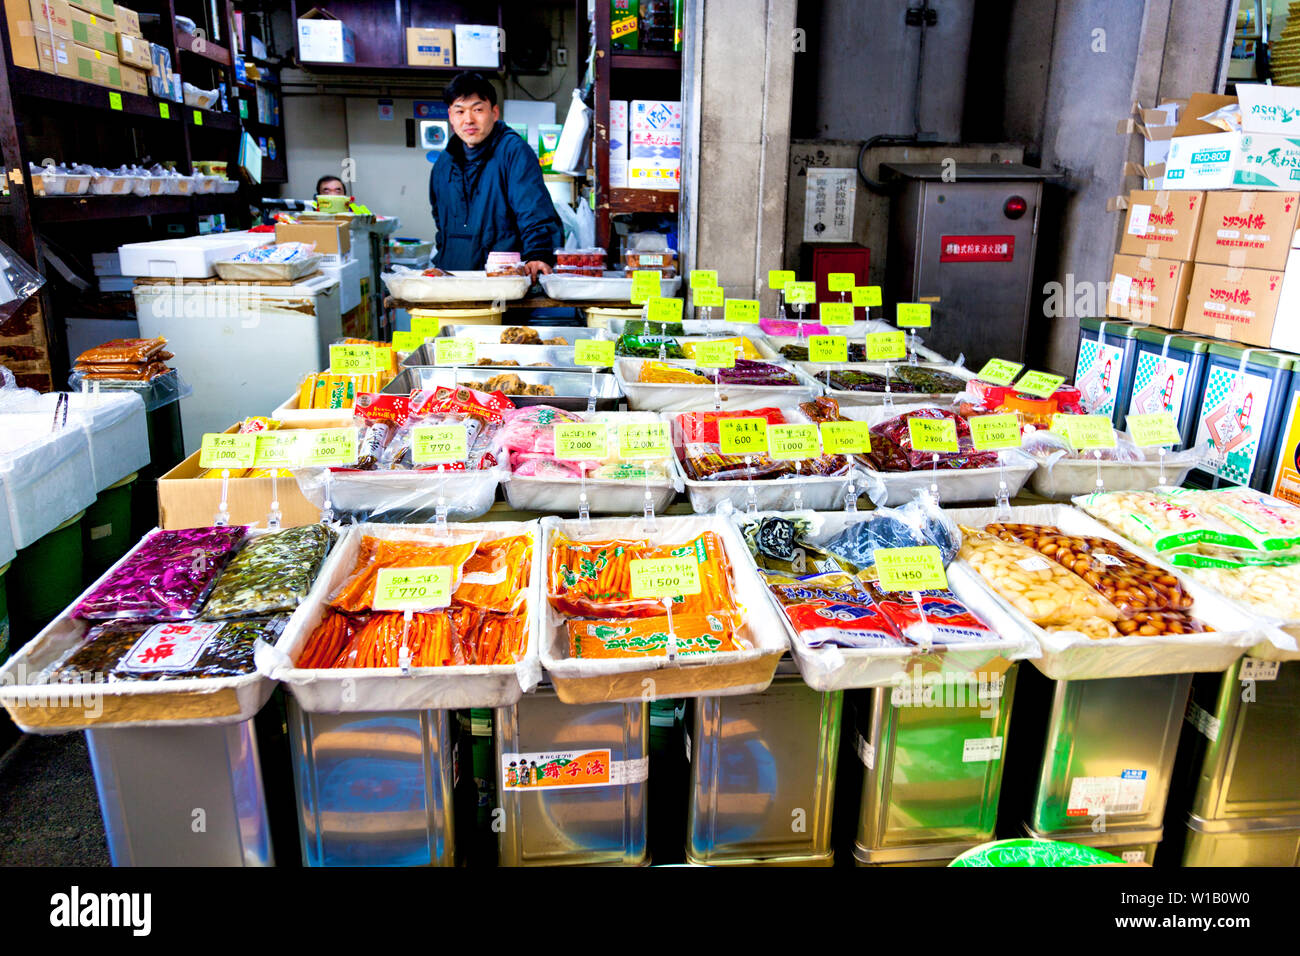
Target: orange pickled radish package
column 594, row 578
column 648, row 636
column 496, row 574
column 358, row 591
column 715, row 575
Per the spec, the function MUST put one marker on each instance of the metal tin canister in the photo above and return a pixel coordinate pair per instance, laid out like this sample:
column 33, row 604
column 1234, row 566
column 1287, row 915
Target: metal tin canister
column 1103, row 371
column 1285, row 482
column 1241, row 414
column 1169, row 376
column 1260, row 842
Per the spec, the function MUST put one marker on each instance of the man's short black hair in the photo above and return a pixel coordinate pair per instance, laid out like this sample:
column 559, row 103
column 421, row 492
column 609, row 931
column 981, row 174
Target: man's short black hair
column 329, row 179
column 469, row 83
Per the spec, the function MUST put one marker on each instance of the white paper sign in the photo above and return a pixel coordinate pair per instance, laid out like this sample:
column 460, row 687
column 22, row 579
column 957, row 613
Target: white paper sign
column 828, row 205
column 1120, row 288
column 1139, row 216
column 981, row 749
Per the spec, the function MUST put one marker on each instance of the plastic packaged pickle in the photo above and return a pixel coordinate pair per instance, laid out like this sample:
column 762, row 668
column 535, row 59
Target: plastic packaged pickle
column 272, row 573
column 1164, row 523
column 1272, row 523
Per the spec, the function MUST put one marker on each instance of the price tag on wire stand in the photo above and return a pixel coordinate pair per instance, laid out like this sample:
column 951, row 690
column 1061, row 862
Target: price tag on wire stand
column 801, row 293
column 646, row 284
column 867, row 296
column 277, row 449
column 331, row 446
column 740, row 311
column 664, row 311
column 425, row 326
column 828, row 348
column 664, row 577
column 595, row 352
column 742, row 436
column 792, row 442
column 707, row 296
column 913, row 315
column 778, row 279
column 227, row 451
column 407, row 341
column 715, row 354
column 703, row 278
column 911, row 569
column 933, row 434
column 1039, row 384
column 993, row 432
column 580, row 442
column 846, row 438
column 837, row 313
column 886, row 346
column 439, row 444
column 1156, row 428
column 412, row 589
column 643, row 441
column 1085, row 431
column 998, row 371
column 840, row 281
column 454, row 351
column 352, row 359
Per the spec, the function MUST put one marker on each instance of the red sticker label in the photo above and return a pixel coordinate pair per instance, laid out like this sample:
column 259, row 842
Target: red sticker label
column 977, row 248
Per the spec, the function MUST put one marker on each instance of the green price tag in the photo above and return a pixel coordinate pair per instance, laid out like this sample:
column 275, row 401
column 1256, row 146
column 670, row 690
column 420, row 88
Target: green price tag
column 840, row 281
column 439, row 444
column 383, row 358
column 454, row 352
column 704, row 278
column 664, row 577
column 664, row 310
column 243, row 109
column 913, row 315
column 778, row 279
column 598, row 352
column 740, row 311
column 933, row 434
column 1085, row 431
column 846, row 438
column 865, row 296
column 911, row 569
column 715, row 354
column 1157, row 428
column 1039, row 384
column 331, row 446
column 646, row 283
column 412, row 589
column 837, row 313
column 580, row 442
column 228, row 451
column 276, row 449
column 114, row 101
column 999, row 372
column 707, row 296
column 407, row 341
column 991, row 432
column 360, row 210
column 164, row 111
column 789, row 442
column 828, row 348
column 198, row 118
column 352, row 359
column 643, row 441
column 425, row 326
column 742, row 436
column 886, row 346
column 801, row 293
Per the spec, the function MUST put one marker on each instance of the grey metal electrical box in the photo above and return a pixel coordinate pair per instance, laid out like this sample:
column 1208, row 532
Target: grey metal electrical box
column 963, row 238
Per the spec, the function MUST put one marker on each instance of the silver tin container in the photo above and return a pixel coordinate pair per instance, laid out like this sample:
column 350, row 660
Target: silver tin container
column 500, row 356
column 1131, row 846
column 571, row 388
column 1268, row 841
column 491, row 334
column 373, row 789
column 552, row 825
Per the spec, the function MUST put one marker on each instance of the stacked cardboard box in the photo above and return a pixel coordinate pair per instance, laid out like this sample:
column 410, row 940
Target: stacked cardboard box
column 655, row 149
column 618, row 144
column 73, row 38
column 1151, row 275
column 133, row 52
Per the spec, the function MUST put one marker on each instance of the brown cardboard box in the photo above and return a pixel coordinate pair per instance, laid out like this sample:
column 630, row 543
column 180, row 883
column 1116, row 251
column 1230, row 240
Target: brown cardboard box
column 134, row 51
column 100, row 8
column 1153, row 291
column 51, row 16
column 186, row 500
column 1235, row 304
column 128, row 21
column 22, row 43
column 94, row 31
column 55, row 54
column 332, row 237
column 96, row 66
column 134, row 81
column 1172, row 220
column 1199, row 104
column 1250, row 230
column 426, row 46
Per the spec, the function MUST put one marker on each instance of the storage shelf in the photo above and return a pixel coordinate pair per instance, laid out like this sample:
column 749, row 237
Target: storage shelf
column 211, row 120
column 71, row 209
column 211, row 51
column 623, row 201
column 646, row 61
column 312, row 66
column 62, row 89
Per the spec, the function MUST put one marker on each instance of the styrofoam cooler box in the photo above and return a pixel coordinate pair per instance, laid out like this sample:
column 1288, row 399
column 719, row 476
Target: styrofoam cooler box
column 7, row 547
column 189, row 258
column 348, row 275
column 115, row 427
column 47, row 475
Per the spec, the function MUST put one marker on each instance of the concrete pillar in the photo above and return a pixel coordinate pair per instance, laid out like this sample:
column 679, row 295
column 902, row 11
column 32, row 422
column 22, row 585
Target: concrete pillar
column 739, row 84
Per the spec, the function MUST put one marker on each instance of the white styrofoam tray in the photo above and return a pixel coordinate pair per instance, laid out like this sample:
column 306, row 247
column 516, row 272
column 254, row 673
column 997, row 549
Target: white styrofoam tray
column 669, row 397
column 359, row 690
column 8, row 549
column 402, row 495
column 457, row 287
column 115, row 427
column 612, row 287
column 290, row 414
column 847, row 397
column 47, row 475
column 189, row 258
column 1063, row 478
column 1072, row 656
column 604, row 495
column 771, row 345
column 830, row 668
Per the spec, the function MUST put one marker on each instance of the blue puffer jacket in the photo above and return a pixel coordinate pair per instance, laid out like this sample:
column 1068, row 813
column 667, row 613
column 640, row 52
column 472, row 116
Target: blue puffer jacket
column 497, row 203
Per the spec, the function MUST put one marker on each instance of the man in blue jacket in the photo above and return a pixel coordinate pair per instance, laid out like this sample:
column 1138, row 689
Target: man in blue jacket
column 486, row 189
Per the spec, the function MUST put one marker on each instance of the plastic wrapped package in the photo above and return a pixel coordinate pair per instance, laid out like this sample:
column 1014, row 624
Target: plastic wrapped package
column 167, row 577
column 271, row 574
column 20, row 282
column 891, row 445
column 1164, row 524
column 407, row 550
column 649, row 636
column 1270, row 590
column 157, row 392
column 648, row 346
column 744, row 347
column 1064, row 472
column 918, row 522
column 1273, row 524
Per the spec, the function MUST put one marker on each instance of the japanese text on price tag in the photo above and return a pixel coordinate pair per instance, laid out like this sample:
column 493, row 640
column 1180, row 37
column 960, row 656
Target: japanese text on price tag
column 665, row 310
column 227, row 451
column 646, row 283
column 837, row 313
column 598, row 352
column 1039, row 384
column 778, row 279
column 407, row 341
column 828, row 348
column 425, row 326
column 412, row 589
column 454, row 352
column 331, row 446
column 707, row 296
column 742, row 436
column 911, row 569
column 866, row 296
column 352, row 359
column 577, row 442
column 913, row 315
column 846, row 438
column 643, row 441
column 740, row 311
column 886, row 346
column 1157, row 428
column 999, row 372
column 715, row 354
column 791, row 442
column 439, row 444
column 933, row 434
column 801, row 293
column 703, row 278
column 276, row 449
column 664, row 577
column 1085, row 431
column 992, row 432
column 840, row 281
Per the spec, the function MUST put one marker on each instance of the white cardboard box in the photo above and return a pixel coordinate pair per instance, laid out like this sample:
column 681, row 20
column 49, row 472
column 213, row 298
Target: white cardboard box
column 1264, row 155
column 323, row 38
column 654, row 173
column 189, row 258
column 1286, row 328
column 654, row 115
column 478, row 45
column 348, row 275
column 618, row 141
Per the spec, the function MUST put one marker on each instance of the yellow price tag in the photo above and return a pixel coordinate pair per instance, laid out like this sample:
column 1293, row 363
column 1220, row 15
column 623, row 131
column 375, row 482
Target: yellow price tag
column 1085, row 431
column 664, row 310
column 454, row 351
column 359, row 209
column 933, row 434
column 707, row 297
column 580, row 442
column 1039, row 384
column 704, row 278
column 828, row 348
column 742, row 436
column 597, row 352
column 439, row 444
column 664, row 577
column 999, row 372
column 164, row 111
column 846, row 438
column 383, row 358
column 114, row 101
column 866, row 296
column 425, row 326
column 911, row 569
column 801, row 293
column 992, row 432
column 331, row 446
column 276, row 449
column 407, row 341
column 789, row 442
column 412, row 589
column 227, row 451
column 352, row 359
column 886, row 346
column 778, row 279
column 740, row 311
column 646, row 283
column 837, row 313
column 913, row 315
column 715, row 354
column 1157, row 428
column 840, row 281
column 198, row 118
column 643, row 441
